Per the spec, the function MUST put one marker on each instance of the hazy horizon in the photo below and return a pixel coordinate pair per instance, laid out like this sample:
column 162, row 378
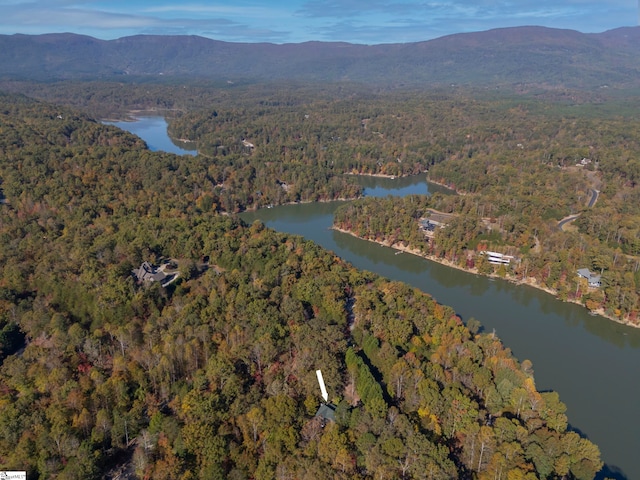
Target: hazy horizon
column 295, row 21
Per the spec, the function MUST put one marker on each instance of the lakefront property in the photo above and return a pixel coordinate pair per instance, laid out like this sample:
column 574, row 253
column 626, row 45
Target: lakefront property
column 593, row 279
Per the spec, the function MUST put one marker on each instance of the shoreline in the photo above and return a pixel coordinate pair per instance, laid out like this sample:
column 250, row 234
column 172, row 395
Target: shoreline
column 133, row 115
column 443, row 185
column 284, row 204
column 375, row 175
column 448, row 263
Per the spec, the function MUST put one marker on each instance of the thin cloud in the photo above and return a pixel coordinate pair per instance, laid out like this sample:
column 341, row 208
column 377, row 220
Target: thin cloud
column 353, row 8
column 221, row 10
column 364, row 21
column 497, row 10
column 34, row 18
column 356, row 21
column 71, row 17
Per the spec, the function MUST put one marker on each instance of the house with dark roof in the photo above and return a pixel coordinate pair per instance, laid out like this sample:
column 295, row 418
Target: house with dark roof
column 148, row 273
column 593, row 279
column 326, row 412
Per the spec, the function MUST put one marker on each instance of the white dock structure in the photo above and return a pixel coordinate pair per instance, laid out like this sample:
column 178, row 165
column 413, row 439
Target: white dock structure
column 496, row 258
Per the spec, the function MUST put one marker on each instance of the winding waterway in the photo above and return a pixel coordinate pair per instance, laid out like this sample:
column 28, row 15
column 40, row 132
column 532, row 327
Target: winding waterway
column 592, row 362
column 153, row 130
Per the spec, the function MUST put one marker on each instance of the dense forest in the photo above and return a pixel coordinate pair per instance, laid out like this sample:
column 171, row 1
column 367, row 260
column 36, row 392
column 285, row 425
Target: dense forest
column 521, row 165
column 213, row 375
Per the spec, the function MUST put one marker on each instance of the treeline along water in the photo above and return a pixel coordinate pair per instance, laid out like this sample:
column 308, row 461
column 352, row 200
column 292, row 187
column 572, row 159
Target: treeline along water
column 591, row 361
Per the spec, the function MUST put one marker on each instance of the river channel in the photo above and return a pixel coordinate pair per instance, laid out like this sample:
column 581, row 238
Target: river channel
column 592, row 362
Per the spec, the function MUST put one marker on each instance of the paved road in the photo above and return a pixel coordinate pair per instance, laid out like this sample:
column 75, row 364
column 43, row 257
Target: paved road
column 571, row 218
column 566, row 220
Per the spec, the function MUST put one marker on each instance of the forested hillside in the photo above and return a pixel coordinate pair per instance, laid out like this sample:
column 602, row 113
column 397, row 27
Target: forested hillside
column 213, row 375
column 521, row 57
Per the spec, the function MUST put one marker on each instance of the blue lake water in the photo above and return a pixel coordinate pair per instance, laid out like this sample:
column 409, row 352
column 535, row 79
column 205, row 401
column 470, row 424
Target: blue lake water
column 153, row 130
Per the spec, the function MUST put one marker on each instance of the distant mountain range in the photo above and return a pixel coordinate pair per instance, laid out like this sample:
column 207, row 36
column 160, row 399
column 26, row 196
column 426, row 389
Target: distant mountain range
column 537, row 56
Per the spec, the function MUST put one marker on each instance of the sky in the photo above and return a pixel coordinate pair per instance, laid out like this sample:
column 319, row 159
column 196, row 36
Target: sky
column 294, row 21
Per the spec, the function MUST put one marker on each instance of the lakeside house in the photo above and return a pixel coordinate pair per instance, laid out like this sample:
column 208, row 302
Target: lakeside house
column 593, row 279
column 496, row 258
column 147, row 273
column 430, row 225
column 327, row 413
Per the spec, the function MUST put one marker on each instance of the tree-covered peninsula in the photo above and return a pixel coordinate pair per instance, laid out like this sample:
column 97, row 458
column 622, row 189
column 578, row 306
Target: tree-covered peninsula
column 213, row 375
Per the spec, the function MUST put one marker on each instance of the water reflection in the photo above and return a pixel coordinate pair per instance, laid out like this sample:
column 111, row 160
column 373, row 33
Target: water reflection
column 399, row 187
column 480, row 288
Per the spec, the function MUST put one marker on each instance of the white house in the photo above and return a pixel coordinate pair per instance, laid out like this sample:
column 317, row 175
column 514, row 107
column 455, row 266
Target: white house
column 496, row 258
column 593, row 279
